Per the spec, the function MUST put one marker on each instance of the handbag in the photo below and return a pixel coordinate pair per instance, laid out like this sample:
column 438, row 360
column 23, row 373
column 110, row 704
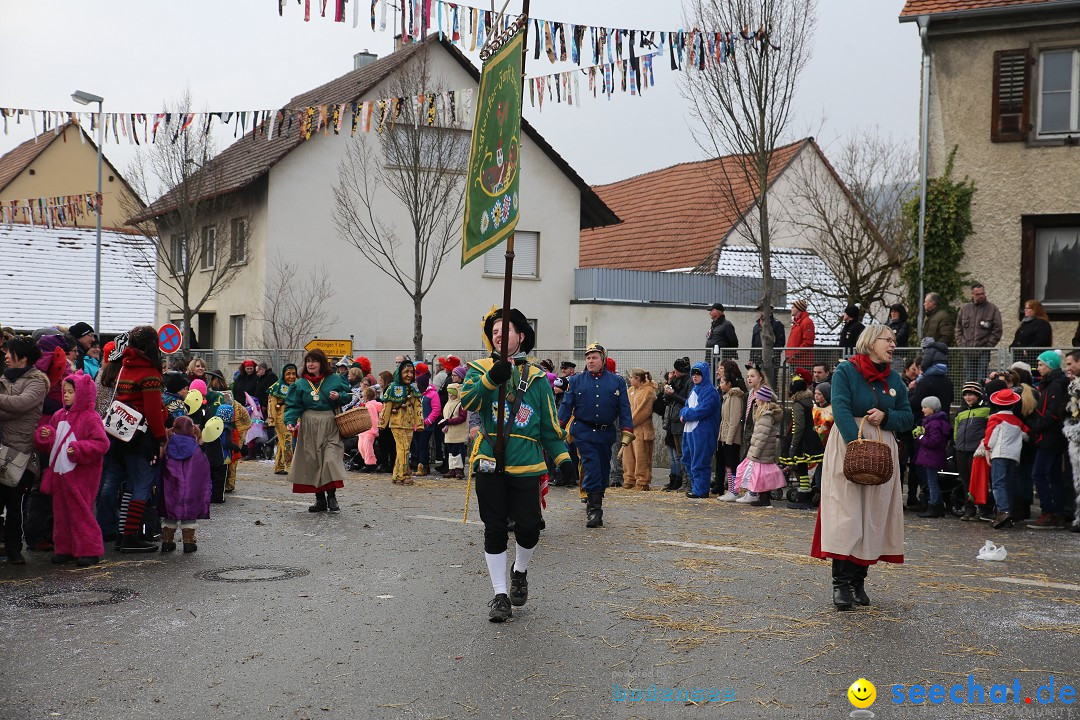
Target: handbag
column 122, row 421
column 12, row 465
column 868, row 462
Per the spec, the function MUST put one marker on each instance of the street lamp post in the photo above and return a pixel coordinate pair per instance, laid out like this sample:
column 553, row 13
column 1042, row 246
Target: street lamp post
column 85, row 98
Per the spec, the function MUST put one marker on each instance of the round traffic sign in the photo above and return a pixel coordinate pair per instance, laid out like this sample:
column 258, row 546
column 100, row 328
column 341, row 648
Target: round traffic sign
column 168, row 338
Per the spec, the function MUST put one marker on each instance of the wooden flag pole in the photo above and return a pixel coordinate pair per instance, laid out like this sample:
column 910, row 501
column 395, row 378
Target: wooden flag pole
column 508, row 277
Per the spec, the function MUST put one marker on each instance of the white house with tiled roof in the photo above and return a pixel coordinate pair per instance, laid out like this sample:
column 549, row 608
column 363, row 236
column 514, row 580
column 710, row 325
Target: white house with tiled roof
column 287, row 187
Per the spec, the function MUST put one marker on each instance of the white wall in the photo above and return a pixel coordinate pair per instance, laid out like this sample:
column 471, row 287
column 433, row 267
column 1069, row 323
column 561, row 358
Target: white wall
column 373, row 307
column 658, row 327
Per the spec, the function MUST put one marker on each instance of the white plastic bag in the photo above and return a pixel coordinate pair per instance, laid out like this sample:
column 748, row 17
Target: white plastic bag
column 990, row 551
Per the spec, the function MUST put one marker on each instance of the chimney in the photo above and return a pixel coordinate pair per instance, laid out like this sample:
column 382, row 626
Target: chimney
column 363, row 59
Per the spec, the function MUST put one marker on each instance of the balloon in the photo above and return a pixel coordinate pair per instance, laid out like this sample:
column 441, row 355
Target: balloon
column 193, row 401
column 212, row 431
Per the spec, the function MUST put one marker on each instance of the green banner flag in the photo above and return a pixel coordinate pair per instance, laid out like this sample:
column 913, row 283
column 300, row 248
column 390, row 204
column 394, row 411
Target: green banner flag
column 491, row 197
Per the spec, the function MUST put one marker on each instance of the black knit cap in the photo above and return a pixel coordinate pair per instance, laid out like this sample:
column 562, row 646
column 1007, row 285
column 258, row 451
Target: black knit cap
column 682, row 364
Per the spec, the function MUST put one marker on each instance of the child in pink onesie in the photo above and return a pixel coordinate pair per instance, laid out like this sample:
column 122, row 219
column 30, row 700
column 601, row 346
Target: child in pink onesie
column 76, row 442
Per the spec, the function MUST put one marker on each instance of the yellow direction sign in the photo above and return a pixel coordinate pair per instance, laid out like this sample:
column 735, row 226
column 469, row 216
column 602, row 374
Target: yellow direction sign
column 334, row 349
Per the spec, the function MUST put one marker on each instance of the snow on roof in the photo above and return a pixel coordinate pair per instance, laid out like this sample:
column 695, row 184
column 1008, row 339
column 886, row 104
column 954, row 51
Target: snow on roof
column 803, row 270
column 47, row 278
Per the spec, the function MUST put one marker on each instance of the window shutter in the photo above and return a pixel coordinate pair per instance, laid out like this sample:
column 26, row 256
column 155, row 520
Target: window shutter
column 526, row 256
column 1010, row 114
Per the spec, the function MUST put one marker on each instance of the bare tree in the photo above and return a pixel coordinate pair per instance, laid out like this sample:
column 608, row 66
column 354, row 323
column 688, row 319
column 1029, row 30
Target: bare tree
column 189, row 235
column 743, row 108
column 294, row 309
column 418, row 155
column 858, row 228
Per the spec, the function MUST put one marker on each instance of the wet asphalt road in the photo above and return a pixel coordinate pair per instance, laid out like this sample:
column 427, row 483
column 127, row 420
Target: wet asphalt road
column 380, row 612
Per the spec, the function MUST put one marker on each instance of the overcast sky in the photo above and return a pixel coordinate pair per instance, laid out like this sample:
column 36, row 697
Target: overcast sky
column 239, row 55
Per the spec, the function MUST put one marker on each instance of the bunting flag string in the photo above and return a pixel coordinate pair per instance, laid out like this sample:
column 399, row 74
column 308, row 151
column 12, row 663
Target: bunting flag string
column 50, row 212
column 635, row 75
column 468, row 27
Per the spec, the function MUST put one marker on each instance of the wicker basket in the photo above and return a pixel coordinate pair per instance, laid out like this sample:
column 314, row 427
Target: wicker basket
column 353, row 422
column 868, row 462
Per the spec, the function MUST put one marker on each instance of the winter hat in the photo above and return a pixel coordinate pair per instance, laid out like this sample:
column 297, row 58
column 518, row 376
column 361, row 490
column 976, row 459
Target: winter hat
column 119, row 343
column 1050, row 358
column 826, row 391
column 365, row 364
column 344, row 361
column 226, row 413
column 184, row 426
column 422, row 381
column 765, row 394
column 459, row 372
column 797, row 384
column 80, row 329
column 560, row 383
column 453, row 389
column 852, row 311
column 931, row 402
column 48, row 343
column 199, row 386
column 799, row 305
column 610, row 364
column 107, row 350
column 175, row 382
column 449, row 362
column 973, row 388
column 248, row 363
column 1004, row 398
column 1020, row 365
column 421, row 369
column 682, row 364
column 992, row 386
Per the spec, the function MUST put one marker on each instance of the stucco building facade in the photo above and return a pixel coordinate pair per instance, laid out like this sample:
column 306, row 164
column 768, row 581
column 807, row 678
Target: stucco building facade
column 1005, row 91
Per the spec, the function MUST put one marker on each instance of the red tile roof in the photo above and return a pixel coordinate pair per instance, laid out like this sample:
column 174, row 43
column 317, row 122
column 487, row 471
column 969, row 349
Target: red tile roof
column 14, row 162
column 677, row 217
column 933, row 7
column 250, row 158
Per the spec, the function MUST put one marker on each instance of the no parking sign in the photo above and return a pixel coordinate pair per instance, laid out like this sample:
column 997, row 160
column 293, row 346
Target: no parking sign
column 169, row 339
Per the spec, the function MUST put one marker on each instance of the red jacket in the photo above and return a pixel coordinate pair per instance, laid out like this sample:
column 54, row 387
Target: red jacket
column 801, row 336
column 139, row 385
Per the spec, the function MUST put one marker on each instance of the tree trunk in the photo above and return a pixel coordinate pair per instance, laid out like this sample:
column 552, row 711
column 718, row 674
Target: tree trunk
column 768, row 338
column 418, row 327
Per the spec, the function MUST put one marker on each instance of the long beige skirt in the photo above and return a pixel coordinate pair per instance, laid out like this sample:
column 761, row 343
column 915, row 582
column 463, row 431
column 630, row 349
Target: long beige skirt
column 861, row 523
column 318, row 462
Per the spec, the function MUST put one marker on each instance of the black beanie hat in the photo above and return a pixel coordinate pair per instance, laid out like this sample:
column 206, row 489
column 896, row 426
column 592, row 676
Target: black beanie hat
column 682, row 364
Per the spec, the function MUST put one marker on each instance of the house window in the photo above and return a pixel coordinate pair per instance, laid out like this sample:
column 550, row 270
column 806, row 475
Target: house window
column 209, row 247
column 1050, row 264
column 581, row 336
column 1059, row 92
column 526, row 256
column 236, row 331
column 238, row 241
column 179, row 256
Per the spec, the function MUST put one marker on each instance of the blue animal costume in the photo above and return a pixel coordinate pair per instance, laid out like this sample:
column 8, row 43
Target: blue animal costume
column 701, row 428
column 600, row 406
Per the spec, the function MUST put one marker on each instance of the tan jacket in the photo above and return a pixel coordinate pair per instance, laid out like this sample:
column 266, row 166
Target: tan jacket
column 641, row 402
column 765, row 442
column 978, row 325
column 731, row 416
column 20, row 411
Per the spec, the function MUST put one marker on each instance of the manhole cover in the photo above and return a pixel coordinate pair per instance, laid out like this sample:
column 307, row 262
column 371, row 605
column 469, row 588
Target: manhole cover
column 252, row 573
column 75, row 598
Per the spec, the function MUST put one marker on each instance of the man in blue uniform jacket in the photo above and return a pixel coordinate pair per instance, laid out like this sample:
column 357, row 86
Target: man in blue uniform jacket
column 594, row 407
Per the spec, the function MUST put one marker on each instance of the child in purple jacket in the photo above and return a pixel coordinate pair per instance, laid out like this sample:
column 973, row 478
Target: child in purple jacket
column 932, row 441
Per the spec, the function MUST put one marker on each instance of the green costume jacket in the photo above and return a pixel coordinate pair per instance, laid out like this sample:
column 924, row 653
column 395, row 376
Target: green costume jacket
column 534, row 428
column 299, row 398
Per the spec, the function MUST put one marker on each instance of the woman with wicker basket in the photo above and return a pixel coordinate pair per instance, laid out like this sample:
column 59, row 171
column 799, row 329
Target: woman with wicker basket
column 861, row 518
column 318, row 464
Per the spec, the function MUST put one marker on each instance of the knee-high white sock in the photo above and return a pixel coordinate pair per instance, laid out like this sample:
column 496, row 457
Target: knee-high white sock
column 522, row 557
column 497, row 570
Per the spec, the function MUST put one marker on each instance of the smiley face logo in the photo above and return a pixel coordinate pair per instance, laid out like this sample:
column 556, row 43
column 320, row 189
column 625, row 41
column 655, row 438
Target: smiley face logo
column 862, row 693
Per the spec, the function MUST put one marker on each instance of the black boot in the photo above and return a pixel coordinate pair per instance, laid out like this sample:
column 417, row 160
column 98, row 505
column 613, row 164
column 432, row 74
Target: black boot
column 857, row 575
column 803, row 501
column 331, row 500
column 842, row 595
column 594, row 510
column 673, row 482
column 933, row 511
column 320, row 503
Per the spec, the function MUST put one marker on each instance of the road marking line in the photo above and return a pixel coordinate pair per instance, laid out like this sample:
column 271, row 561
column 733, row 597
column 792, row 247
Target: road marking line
column 1036, row 583
column 724, row 548
column 276, row 500
column 444, row 519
